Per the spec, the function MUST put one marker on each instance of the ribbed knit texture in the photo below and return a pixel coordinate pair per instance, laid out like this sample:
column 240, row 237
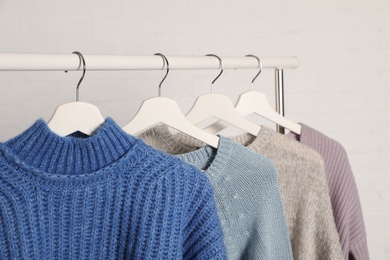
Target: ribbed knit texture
column 108, row 196
column 247, row 196
column 302, row 186
column 344, row 195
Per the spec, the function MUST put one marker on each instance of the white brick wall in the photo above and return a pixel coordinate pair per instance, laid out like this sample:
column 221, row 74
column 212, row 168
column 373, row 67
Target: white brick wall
column 341, row 87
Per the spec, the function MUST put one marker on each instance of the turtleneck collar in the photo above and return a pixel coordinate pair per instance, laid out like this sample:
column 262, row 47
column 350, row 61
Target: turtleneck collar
column 40, row 148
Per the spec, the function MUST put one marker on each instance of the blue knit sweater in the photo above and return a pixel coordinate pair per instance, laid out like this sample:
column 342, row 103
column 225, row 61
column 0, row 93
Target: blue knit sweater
column 108, row 196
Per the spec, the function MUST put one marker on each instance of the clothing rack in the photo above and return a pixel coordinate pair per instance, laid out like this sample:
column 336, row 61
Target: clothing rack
column 96, row 62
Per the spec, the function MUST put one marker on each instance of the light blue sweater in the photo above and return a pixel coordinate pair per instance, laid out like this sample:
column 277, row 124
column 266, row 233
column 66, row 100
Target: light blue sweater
column 246, row 191
column 108, row 196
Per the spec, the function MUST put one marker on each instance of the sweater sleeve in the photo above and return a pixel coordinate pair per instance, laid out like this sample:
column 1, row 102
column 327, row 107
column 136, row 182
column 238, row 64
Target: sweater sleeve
column 261, row 231
column 202, row 232
column 346, row 203
column 343, row 193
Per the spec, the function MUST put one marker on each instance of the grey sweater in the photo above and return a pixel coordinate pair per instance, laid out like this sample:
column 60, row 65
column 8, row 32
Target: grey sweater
column 247, row 195
column 343, row 192
column 302, row 185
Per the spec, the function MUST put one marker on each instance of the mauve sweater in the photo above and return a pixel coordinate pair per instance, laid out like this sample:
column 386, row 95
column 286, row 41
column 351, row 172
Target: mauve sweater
column 343, row 192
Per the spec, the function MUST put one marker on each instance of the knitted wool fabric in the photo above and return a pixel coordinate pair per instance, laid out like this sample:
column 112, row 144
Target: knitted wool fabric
column 108, row 196
column 247, row 196
column 302, row 185
column 344, row 195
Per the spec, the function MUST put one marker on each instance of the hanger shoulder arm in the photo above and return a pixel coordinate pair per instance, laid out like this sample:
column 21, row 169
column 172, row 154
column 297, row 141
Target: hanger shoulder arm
column 219, row 106
column 75, row 116
column 256, row 102
column 165, row 110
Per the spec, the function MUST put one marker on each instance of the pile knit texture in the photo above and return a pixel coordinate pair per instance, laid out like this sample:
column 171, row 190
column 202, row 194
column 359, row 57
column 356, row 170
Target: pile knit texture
column 108, row 196
column 247, row 196
column 344, row 194
column 302, row 185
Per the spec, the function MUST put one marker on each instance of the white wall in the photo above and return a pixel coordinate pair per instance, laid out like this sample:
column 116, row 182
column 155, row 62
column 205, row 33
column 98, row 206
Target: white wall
column 341, row 87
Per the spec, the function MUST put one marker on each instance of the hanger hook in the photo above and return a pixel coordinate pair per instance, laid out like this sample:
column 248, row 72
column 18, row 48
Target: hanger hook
column 220, row 66
column 260, row 66
column 82, row 60
column 165, row 61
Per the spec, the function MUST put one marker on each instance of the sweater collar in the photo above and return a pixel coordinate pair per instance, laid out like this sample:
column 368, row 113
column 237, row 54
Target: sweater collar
column 180, row 143
column 190, row 150
column 40, row 148
column 211, row 160
column 258, row 142
column 160, row 136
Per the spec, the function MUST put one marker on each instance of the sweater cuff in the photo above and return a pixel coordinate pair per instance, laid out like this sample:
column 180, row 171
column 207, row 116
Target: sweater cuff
column 359, row 250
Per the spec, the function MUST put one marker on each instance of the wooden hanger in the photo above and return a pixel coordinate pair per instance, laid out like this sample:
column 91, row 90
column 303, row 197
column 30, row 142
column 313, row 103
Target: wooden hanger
column 165, row 110
column 219, row 106
column 255, row 102
column 76, row 116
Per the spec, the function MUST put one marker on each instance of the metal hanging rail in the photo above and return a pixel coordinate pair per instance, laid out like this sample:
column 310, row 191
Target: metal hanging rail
column 96, row 62
column 279, row 96
column 69, row 62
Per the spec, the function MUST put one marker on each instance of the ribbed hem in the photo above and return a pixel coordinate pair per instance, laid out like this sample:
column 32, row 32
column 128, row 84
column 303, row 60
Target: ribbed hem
column 47, row 157
column 359, row 250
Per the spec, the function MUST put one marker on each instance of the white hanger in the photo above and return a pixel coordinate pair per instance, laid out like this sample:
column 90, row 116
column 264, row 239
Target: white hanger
column 219, row 106
column 255, row 102
column 76, row 116
column 165, row 110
